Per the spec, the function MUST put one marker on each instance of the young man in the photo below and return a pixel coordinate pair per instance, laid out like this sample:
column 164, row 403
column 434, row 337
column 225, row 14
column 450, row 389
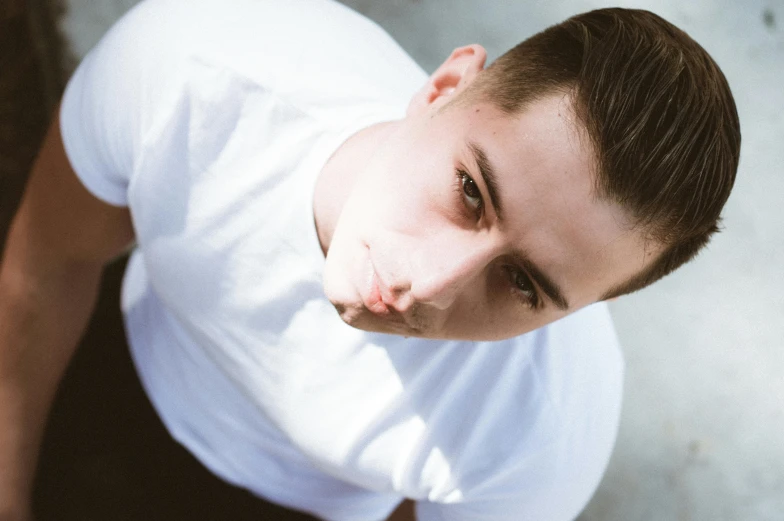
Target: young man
column 284, row 165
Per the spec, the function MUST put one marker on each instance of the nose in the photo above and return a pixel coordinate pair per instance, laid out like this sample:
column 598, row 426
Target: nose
column 448, row 268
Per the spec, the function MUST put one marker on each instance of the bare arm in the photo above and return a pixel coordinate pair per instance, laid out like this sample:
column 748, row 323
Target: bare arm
column 58, row 243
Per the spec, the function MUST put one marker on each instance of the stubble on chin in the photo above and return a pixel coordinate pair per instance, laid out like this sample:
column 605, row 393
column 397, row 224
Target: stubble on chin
column 347, row 313
column 419, row 324
column 419, row 320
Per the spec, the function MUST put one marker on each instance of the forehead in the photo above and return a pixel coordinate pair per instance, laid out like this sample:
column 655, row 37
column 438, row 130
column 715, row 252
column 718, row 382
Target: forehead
column 545, row 167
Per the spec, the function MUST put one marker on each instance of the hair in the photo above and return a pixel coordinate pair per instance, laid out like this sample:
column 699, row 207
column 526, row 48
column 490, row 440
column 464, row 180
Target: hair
column 658, row 112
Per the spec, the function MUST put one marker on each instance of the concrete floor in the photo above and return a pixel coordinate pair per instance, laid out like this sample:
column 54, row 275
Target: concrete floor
column 701, row 435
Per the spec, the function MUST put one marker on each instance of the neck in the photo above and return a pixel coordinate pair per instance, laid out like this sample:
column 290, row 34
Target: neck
column 337, row 178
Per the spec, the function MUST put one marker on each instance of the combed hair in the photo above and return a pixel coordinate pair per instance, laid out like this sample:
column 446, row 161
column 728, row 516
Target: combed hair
column 659, row 114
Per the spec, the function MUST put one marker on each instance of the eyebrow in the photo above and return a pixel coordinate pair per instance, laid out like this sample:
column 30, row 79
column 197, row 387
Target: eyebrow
column 488, row 173
column 550, row 288
column 489, row 176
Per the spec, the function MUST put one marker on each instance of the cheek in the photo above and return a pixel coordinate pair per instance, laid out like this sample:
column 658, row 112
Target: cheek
column 401, row 197
column 491, row 312
column 502, row 322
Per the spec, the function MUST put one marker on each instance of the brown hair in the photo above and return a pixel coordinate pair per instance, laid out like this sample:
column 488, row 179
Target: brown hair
column 659, row 114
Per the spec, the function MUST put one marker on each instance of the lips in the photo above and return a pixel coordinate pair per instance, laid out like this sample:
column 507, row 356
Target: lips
column 380, row 301
column 375, row 301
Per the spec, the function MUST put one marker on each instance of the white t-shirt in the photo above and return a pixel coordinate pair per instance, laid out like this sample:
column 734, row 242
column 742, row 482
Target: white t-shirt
column 210, row 120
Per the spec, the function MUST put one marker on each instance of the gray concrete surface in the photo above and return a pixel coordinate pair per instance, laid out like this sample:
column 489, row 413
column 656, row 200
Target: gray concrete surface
column 701, row 435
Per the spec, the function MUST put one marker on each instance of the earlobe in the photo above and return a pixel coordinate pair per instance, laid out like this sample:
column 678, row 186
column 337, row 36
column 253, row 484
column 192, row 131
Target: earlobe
column 451, row 77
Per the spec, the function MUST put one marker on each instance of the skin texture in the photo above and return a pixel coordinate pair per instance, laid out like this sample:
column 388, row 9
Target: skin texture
column 414, row 245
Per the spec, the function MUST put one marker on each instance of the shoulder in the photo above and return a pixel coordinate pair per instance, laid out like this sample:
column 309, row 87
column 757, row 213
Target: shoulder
column 548, row 430
column 579, row 368
column 166, row 63
column 286, row 45
column 579, row 359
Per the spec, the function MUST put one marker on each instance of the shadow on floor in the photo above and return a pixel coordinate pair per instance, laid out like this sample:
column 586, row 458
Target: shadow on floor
column 105, row 456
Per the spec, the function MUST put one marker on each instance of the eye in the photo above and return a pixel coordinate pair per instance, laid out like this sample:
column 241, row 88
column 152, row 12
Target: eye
column 523, row 286
column 472, row 196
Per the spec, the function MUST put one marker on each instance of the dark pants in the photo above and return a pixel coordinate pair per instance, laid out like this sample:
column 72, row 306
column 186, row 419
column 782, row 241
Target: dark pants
column 107, row 457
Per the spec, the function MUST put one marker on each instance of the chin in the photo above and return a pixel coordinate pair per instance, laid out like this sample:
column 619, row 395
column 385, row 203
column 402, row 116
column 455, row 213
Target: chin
column 361, row 318
column 348, row 314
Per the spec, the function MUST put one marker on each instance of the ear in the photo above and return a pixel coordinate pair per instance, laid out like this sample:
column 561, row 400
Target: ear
column 451, row 77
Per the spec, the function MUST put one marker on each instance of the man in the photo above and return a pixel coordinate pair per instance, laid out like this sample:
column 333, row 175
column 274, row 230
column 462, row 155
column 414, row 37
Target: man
column 276, row 162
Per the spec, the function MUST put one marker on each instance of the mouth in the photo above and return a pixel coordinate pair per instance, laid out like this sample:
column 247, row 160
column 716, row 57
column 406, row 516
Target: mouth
column 379, row 303
column 375, row 302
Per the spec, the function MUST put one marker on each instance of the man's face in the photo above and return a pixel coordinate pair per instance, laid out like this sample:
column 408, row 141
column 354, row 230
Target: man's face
column 470, row 224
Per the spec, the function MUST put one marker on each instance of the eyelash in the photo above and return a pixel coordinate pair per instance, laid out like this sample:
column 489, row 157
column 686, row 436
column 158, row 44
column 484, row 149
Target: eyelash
column 463, row 178
column 529, row 298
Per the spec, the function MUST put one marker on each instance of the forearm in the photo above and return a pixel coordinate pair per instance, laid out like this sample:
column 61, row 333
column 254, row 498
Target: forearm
column 41, row 321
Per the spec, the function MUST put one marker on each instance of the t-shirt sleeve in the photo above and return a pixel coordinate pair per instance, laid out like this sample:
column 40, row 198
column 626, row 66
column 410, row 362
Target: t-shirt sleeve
column 113, row 99
column 125, row 89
